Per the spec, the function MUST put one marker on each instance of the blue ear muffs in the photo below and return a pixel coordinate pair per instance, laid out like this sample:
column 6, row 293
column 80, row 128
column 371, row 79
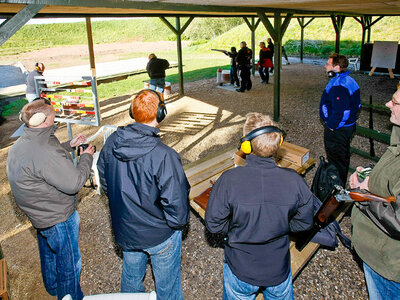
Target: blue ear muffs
column 245, row 142
column 161, row 110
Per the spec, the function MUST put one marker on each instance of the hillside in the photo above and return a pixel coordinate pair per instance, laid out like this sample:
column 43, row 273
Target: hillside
column 204, row 33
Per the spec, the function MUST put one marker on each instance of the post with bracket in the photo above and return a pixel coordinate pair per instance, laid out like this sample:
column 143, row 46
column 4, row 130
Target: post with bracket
column 178, row 30
column 253, row 26
column 302, row 26
column 276, row 32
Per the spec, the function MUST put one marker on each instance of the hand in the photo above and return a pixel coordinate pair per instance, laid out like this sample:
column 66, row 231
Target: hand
column 355, row 183
column 79, row 139
column 90, row 150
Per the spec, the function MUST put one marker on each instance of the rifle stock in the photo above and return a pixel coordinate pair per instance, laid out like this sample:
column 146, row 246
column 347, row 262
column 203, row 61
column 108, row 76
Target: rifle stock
column 328, row 207
column 358, row 197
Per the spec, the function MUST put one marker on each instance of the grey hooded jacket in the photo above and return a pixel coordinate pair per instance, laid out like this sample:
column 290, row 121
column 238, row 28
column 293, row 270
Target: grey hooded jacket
column 43, row 177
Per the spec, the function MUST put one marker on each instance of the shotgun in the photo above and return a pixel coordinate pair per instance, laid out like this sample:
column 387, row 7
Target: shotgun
column 323, row 216
column 223, row 51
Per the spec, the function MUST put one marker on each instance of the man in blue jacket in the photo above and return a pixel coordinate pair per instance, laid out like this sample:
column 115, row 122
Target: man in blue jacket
column 338, row 109
column 148, row 198
column 256, row 206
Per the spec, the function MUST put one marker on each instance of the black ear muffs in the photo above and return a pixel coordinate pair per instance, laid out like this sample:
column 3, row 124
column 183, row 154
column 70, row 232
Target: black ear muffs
column 332, row 74
column 161, row 110
column 245, row 142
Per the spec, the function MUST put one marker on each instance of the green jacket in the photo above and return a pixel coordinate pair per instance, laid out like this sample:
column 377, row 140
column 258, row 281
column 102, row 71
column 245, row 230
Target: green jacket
column 375, row 223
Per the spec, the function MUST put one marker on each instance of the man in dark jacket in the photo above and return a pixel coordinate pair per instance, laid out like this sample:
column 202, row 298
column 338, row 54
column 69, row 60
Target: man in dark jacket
column 44, row 182
column 148, row 197
column 256, row 206
column 243, row 62
column 156, row 69
column 338, row 109
column 264, row 63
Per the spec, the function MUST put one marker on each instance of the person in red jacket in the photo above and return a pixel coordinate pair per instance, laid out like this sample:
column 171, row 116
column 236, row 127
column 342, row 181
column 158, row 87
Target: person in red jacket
column 264, row 62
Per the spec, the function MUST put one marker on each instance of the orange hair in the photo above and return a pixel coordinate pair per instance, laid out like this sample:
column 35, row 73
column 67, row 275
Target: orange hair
column 145, row 105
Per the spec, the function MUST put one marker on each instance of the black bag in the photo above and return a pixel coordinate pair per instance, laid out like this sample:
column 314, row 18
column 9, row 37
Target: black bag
column 323, row 183
column 325, row 178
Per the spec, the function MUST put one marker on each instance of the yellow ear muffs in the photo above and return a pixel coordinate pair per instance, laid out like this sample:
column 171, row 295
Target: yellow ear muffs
column 246, row 147
column 245, row 142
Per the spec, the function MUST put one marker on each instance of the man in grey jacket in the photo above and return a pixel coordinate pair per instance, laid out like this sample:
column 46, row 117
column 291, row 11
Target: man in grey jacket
column 45, row 181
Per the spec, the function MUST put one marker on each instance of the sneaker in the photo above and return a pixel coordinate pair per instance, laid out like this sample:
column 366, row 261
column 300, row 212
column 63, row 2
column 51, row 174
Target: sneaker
column 239, row 90
column 262, row 81
column 236, row 86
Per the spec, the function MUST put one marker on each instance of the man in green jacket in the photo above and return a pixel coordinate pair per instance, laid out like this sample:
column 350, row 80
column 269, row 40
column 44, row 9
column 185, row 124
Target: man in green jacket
column 45, row 181
column 376, row 225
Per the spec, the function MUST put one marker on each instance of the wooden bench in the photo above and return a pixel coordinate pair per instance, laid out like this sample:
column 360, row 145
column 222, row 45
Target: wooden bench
column 200, row 173
column 4, row 288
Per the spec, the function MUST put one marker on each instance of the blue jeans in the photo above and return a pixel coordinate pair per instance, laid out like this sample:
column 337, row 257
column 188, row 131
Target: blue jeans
column 380, row 288
column 234, row 76
column 60, row 258
column 264, row 73
column 234, row 288
column 166, row 262
column 157, row 84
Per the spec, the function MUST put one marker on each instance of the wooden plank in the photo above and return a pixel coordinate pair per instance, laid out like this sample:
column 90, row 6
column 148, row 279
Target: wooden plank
column 4, row 288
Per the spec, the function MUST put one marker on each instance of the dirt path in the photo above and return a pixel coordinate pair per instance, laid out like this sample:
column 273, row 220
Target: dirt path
column 66, row 56
column 220, row 114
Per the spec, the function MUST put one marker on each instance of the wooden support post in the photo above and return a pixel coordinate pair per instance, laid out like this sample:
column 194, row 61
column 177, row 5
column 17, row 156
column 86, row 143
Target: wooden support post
column 4, row 285
column 302, row 27
column 338, row 22
column 276, row 32
column 277, row 66
column 178, row 31
column 12, row 25
column 179, row 50
column 252, row 26
column 90, row 45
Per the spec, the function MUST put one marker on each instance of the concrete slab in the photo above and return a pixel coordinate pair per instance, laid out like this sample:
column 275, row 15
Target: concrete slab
column 11, row 75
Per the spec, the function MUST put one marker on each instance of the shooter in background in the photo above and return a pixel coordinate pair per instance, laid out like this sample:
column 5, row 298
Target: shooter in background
column 271, row 47
column 156, row 69
column 376, row 225
column 243, row 62
column 31, row 92
column 338, row 109
column 45, row 182
column 233, row 74
column 264, row 63
column 256, row 206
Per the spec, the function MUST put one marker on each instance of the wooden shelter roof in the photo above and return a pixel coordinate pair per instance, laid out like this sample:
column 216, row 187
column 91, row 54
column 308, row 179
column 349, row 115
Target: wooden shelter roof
column 204, row 7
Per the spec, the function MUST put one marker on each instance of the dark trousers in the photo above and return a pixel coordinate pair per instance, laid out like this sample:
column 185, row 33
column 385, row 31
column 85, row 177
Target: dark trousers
column 264, row 73
column 245, row 80
column 234, row 76
column 337, row 148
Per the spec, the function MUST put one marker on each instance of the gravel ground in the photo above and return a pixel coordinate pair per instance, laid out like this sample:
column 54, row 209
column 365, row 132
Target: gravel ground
column 219, row 115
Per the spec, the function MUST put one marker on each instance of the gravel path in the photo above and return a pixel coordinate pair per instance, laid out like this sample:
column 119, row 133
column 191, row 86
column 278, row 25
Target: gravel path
column 219, row 116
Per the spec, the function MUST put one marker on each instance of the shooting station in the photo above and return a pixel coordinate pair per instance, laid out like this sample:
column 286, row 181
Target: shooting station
column 204, row 125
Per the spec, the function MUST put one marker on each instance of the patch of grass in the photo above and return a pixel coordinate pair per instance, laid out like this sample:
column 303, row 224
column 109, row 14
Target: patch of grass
column 14, row 107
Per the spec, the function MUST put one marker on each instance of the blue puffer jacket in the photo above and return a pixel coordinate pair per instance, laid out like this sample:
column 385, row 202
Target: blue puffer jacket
column 340, row 102
column 146, row 187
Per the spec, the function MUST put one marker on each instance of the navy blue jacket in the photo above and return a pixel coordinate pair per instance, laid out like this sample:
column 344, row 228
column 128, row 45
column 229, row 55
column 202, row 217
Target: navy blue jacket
column 146, row 187
column 340, row 102
column 256, row 206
